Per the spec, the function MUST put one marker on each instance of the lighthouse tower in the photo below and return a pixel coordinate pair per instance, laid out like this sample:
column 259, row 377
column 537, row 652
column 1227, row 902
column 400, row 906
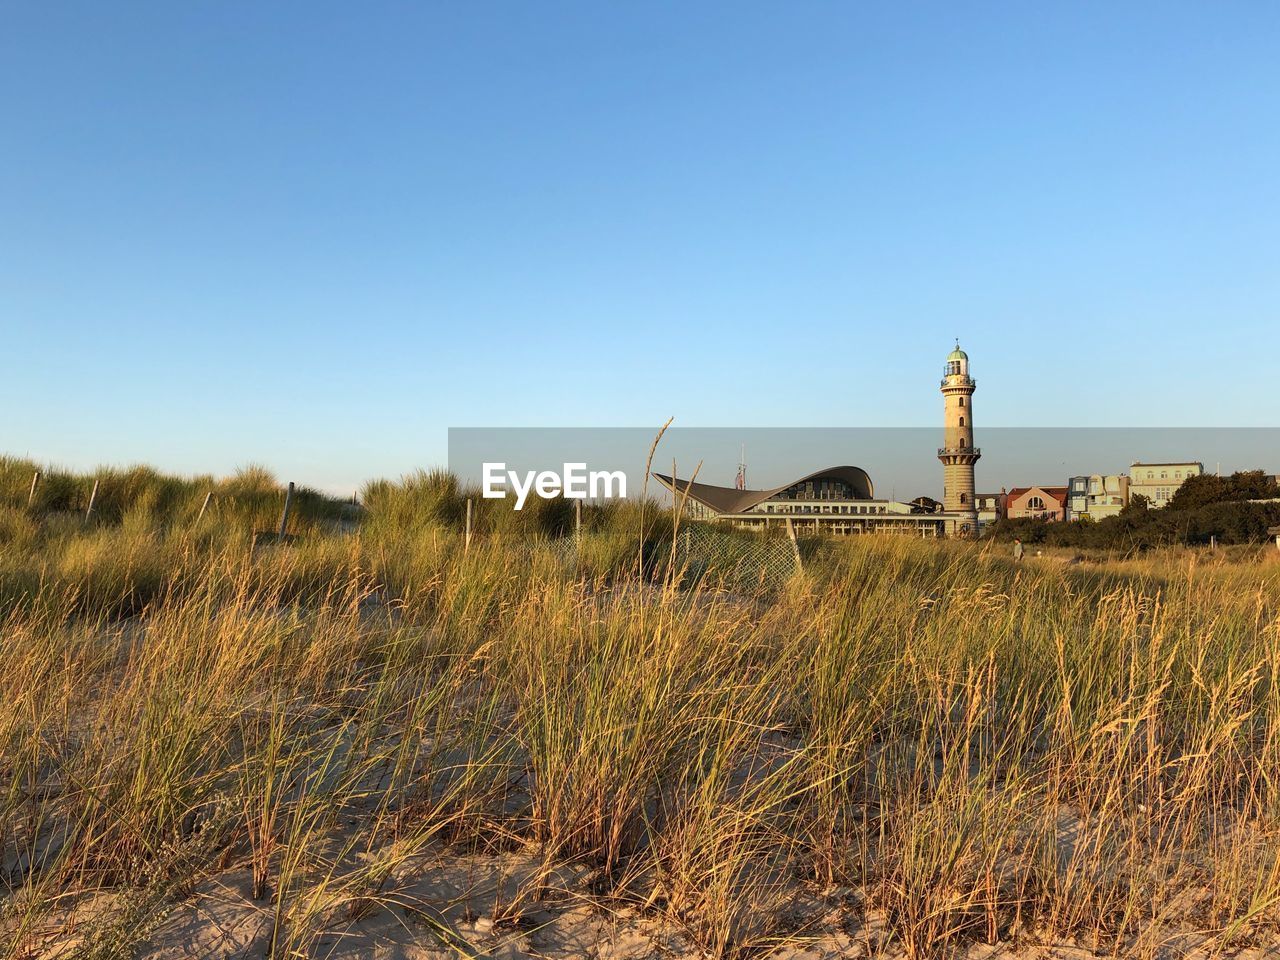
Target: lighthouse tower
column 958, row 454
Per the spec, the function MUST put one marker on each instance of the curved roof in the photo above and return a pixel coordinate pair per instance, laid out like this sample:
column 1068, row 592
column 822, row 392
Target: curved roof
column 731, row 500
column 957, row 353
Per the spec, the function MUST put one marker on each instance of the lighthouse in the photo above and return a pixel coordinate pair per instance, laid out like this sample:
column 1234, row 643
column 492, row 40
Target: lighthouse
column 957, row 453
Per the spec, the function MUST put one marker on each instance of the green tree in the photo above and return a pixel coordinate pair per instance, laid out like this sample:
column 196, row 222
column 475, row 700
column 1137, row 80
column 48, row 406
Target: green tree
column 1207, row 489
column 1138, row 504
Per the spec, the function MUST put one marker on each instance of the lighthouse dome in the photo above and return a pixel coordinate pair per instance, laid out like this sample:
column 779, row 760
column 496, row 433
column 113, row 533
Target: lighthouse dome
column 957, row 354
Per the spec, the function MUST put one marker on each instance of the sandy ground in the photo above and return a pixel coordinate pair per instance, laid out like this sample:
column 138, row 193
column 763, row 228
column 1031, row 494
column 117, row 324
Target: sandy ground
column 468, row 906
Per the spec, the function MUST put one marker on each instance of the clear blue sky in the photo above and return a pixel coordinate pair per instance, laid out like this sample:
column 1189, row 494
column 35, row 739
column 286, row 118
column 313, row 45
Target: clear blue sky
column 316, row 235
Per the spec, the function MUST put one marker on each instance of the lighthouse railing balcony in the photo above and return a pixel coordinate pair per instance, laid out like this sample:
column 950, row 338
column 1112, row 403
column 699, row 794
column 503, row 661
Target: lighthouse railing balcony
column 955, row 451
column 956, row 380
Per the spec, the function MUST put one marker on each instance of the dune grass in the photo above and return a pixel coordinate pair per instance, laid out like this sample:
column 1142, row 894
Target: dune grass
column 970, row 751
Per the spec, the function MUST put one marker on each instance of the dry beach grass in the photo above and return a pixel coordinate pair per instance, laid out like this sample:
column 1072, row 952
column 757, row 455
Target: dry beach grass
column 371, row 742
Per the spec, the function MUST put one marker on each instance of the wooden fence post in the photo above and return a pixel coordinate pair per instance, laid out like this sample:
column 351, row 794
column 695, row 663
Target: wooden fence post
column 577, row 520
column 795, row 545
column 284, row 516
column 466, row 541
column 204, row 506
column 31, row 496
column 92, row 499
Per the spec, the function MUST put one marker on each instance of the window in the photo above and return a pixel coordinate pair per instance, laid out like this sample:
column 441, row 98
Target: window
column 962, row 401
column 1035, row 503
column 963, row 443
column 964, row 498
column 962, row 421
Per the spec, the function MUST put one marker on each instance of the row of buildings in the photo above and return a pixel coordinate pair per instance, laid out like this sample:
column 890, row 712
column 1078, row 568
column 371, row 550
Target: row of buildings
column 1094, row 496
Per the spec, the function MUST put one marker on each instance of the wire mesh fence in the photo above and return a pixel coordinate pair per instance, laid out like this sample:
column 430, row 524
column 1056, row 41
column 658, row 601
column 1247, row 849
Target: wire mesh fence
column 703, row 553
column 735, row 559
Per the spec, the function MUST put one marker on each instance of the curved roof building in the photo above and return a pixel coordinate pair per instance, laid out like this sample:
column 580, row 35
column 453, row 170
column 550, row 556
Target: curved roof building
column 837, row 500
column 843, row 483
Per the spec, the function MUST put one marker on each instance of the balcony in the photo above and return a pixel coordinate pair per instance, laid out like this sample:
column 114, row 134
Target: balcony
column 959, row 381
column 974, row 452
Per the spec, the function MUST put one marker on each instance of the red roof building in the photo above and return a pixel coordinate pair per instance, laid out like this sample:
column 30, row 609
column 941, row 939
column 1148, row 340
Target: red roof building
column 1044, row 503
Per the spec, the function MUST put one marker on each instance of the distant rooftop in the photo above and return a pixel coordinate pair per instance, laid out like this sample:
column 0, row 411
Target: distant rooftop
column 1058, row 493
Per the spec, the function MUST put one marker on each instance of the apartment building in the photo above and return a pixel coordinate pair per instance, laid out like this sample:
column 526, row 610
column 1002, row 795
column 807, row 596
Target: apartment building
column 1043, row 503
column 1096, row 496
column 1159, row 481
column 990, row 507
